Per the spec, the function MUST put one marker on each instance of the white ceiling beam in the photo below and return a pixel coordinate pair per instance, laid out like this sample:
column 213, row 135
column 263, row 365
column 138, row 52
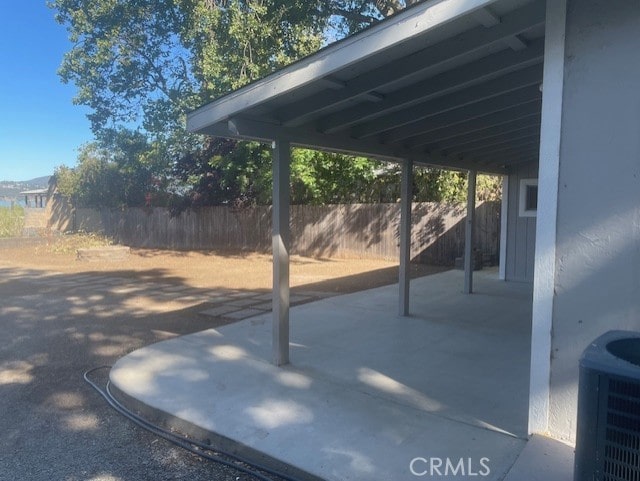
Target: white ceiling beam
column 524, row 159
column 493, row 88
column 504, row 155
column 516, row 43
column 505, row 146
column 247, row 129
column 373, row 97
column 452, row 163
column 479, row 109
column 508, row 163
column 473, row 40
column 486, row 17
column 530, row 111
column 525, row 124
column 379, row 38
column 470, row 148
column 468, row 75
column 332, row 83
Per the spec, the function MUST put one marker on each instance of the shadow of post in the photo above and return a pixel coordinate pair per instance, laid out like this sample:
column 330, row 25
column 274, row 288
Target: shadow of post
column 439, row 233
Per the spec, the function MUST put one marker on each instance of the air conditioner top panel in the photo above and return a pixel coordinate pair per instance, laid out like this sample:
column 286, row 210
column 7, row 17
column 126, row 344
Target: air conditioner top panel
column 615, row 352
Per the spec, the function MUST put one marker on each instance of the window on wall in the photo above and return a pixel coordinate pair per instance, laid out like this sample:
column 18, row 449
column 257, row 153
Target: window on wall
column 528, row 205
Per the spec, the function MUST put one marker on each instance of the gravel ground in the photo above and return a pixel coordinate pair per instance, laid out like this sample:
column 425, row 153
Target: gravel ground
column 54, row 425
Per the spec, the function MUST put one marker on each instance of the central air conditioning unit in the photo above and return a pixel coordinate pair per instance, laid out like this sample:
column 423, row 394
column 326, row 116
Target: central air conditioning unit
column 608, row 428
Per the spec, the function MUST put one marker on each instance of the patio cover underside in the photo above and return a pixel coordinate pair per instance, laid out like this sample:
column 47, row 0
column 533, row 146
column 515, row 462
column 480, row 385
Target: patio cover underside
column 455, row 84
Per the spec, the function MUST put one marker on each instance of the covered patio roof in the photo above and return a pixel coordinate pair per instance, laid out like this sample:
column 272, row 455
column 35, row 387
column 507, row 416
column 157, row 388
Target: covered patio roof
column 454, row 83
column 448, row 83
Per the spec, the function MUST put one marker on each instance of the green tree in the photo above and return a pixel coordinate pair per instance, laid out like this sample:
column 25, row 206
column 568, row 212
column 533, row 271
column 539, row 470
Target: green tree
column 93, row 183
column 146, row 63
column 141, row 65
column 113, row 173
column 351, row 16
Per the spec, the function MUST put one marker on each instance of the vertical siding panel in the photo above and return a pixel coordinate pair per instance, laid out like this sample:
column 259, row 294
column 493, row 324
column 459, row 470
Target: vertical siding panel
column 520, row 230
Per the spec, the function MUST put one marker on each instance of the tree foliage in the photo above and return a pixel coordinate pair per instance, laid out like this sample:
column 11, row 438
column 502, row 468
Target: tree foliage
column 119, row 171
column 141, row 65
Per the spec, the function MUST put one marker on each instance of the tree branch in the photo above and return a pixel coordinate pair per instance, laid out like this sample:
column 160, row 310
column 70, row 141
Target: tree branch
column 357, row 16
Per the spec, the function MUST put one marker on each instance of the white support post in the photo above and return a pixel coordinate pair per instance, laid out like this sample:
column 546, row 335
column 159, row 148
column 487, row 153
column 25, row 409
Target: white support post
column 406, row 196
column 469, row 232
column 281, row 242
column 544, row 274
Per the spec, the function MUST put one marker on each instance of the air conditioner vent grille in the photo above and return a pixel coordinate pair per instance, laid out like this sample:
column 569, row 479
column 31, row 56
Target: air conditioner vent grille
column 622, row 433
column 625, row 388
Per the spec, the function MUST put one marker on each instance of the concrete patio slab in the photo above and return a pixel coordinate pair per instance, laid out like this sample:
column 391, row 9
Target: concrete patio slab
column 367, row 391
column 543, row 459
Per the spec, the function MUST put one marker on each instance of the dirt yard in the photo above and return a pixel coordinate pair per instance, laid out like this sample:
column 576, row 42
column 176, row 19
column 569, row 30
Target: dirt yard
column 57, row 327
column 215, row 269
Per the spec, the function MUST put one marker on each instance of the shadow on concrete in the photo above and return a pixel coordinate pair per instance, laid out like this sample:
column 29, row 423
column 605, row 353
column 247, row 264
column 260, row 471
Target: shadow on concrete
column 367, row 390
column 56, row 327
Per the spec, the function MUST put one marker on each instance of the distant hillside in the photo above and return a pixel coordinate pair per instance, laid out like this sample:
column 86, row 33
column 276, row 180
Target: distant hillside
column 10, row 189
column 39, row 182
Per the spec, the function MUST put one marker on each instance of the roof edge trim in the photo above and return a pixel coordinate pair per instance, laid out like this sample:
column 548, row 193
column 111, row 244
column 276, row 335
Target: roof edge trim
column 386, row 34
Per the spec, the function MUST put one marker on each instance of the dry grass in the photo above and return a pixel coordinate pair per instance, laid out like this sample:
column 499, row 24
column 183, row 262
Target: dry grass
column 11, row 221
column 69, row 243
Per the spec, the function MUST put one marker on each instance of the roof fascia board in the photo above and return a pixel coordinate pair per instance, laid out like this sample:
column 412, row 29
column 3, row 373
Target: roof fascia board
column 409, row 23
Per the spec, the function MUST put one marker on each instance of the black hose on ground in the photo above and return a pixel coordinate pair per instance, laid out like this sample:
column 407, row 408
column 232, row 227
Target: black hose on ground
column 192, row 446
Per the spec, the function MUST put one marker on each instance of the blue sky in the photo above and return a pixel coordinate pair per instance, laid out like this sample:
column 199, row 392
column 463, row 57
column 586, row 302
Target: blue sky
column 40, row 128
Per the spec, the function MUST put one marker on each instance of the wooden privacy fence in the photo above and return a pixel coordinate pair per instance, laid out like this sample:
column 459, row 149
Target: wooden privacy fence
column 362, row 230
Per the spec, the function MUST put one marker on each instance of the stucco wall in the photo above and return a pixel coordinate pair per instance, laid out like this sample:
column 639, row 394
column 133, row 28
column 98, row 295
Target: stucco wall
column 521, row 231
column 597, row 285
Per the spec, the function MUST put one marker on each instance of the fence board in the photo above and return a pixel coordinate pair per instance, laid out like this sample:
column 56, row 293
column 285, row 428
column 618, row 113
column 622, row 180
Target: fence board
column 362, row 230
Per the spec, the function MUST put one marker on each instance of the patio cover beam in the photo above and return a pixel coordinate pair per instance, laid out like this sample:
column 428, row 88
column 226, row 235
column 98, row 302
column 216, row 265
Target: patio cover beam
column 523, row 96
column 511, row 153
column 503, row 118
column 486, row 17
column 515, row 142
column 492, row 89
column 486, row 135
column 466, row 43
column 486, row 68
column 244, row 128
column 281, row 243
